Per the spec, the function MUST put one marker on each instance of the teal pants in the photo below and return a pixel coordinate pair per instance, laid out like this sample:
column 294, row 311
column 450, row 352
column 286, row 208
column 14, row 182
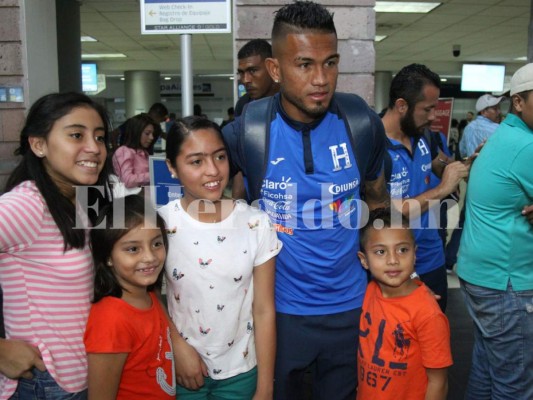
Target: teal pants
column 240, row 387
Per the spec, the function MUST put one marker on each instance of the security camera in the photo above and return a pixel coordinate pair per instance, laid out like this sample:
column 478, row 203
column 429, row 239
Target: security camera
column 456, row 50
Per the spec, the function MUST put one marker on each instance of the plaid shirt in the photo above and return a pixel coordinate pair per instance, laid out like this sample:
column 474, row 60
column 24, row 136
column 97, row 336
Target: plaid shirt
column 475, row 133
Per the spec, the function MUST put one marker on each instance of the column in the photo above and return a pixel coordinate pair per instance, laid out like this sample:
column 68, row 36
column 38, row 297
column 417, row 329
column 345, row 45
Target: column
column 382, row 81
column 28, row 64
column 68, row 45
column 142, row 90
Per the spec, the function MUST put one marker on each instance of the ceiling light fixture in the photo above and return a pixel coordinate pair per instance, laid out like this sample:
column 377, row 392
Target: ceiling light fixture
column 379, row 38
column 105, row 55
column 167, row 78
column 405, row 7
column 214, row 75
column 88, row 39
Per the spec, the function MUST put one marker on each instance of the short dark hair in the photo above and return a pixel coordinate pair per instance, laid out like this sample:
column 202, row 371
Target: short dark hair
column 133, row 129
column 409, row 83
column 159, row 111
column 103, row 239
column 302, row 16
column 255, row 47
column 383, row 218
column 41, row 118
column 182, row 129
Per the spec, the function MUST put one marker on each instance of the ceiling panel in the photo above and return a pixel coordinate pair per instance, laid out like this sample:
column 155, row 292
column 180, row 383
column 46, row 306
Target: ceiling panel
column 487, row 30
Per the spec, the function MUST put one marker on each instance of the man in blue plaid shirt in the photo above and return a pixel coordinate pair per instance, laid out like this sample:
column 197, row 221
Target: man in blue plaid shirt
column 480, row 129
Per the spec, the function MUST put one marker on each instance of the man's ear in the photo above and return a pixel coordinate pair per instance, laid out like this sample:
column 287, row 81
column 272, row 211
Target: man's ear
column 401, row 105
column 38, row 146
column 171, row 169
column 517, row 102
column 272, row 66
column 362, row 258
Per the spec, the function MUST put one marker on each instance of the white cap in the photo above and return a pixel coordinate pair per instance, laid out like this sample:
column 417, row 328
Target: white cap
column 487, row 100
column 522, row 79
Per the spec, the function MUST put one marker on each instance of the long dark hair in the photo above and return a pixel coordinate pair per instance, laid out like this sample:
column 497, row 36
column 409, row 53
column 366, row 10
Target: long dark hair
column 105, row 235
column 133, row 129
column 39, row 122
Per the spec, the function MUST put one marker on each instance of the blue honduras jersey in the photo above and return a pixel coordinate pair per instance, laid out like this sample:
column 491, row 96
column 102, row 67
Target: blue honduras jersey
column 311, row 192
column 411, row 176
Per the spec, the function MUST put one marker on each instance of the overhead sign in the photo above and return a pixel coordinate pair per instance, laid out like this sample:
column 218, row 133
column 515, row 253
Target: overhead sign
column 185, row 16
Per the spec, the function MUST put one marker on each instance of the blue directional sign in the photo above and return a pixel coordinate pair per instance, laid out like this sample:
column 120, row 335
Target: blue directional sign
column 163, row 188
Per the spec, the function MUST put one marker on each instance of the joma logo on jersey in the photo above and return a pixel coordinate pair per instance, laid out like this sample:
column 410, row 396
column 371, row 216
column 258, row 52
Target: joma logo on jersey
column 336, row 157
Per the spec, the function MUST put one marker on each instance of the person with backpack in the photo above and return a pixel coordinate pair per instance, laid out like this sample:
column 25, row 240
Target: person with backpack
column 253, row 74
column 412, row 157
column 309, row 153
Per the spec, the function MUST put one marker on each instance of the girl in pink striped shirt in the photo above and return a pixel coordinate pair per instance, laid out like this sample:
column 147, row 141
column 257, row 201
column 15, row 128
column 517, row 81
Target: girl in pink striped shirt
column 46, row 268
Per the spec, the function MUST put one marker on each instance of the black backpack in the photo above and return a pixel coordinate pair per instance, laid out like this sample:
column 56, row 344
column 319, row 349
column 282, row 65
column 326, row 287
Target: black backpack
column 255, row 133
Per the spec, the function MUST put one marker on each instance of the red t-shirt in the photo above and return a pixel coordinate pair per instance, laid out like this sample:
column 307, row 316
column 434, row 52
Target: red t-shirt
column 115, row 326
column 398, row 339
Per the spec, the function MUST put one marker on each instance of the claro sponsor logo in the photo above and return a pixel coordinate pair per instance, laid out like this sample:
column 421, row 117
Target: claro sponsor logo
column 283, row 185
column 344, row 187
column 426, row 167
column 399, row 175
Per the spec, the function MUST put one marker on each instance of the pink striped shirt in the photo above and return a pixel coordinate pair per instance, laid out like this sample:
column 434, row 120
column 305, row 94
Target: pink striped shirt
column 47, row 292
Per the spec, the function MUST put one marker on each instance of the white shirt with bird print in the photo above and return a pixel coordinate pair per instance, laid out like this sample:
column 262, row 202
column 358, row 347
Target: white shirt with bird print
column 209, row 270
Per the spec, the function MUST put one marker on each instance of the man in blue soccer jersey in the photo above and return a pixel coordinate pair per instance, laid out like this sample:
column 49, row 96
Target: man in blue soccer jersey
column 413, row 96
column 310, row 187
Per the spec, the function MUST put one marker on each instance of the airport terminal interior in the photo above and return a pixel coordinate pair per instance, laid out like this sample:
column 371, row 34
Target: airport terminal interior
column 449, row 37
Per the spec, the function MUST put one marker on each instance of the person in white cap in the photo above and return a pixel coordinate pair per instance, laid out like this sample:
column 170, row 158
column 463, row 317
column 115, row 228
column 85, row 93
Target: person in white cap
column 485, row 124
column 495, row 258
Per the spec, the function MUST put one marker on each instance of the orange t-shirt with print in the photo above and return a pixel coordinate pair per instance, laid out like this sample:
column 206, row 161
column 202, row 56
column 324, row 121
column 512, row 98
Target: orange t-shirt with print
column 399, row 338
column 115, row 326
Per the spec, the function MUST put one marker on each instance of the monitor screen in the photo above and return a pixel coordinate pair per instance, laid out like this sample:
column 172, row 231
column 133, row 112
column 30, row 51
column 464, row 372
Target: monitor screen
column 89, row 77
column 482, row 78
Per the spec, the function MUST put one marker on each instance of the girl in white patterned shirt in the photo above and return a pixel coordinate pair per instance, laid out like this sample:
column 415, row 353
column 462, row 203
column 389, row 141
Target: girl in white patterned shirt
column 220, row 270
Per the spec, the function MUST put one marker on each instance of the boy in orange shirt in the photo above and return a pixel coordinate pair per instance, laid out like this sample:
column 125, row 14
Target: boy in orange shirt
column 404, row 338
